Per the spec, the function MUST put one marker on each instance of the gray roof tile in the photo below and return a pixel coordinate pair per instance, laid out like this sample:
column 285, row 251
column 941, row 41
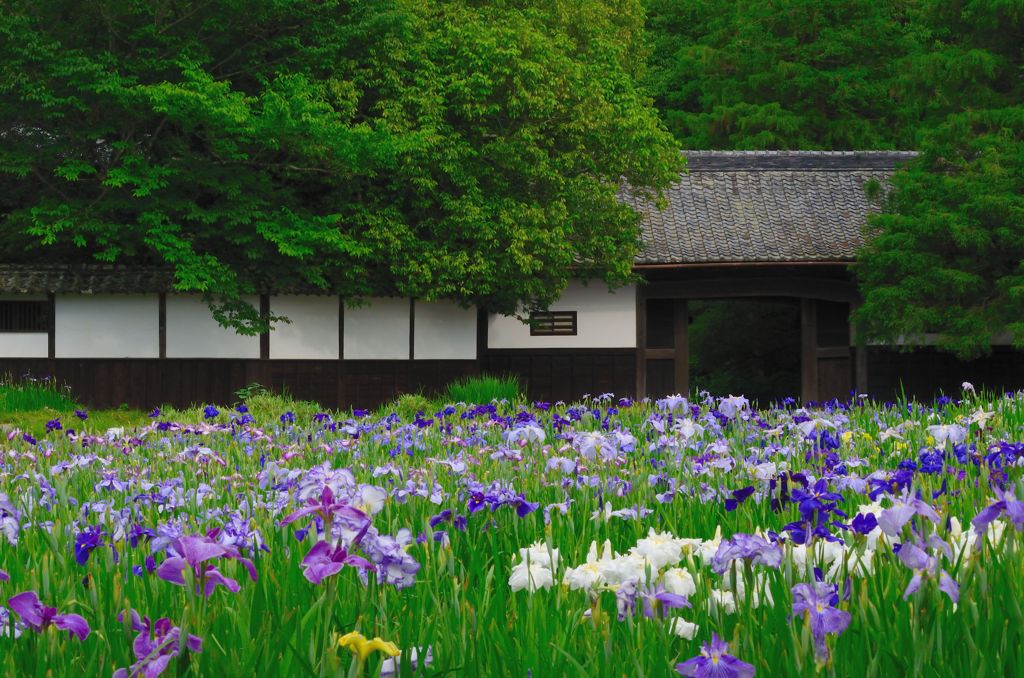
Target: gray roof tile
column 731, row 206
column 764, row 206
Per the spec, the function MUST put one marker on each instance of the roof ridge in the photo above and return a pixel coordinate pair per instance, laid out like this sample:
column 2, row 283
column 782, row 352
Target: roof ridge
column 755, row 161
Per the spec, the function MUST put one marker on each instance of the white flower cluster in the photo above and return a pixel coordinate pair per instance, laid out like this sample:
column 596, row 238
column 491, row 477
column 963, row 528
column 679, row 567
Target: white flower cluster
column 662, row 563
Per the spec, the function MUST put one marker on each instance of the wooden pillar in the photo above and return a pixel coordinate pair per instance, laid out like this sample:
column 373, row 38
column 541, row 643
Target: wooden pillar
column 341, row 328
column 51, row 328
column 681, row 361
column 860, row 355
column 412, row 328
column 162, row 324
column 265, row 335
column 481, row 339
column 808, row 350
column 860, row 369
column 641, row 343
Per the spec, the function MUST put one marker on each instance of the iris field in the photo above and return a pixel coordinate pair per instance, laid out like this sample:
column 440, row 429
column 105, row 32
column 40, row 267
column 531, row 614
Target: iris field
column 601, row 538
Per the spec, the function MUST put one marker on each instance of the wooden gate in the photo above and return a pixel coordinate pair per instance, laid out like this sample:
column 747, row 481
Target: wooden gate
column 829, row 366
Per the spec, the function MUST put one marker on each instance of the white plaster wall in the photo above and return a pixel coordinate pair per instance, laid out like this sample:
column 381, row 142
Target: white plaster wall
column 312, row 333
column 193, row 333
column 24, row 344
column 444, row 331
column 107, row 326
column 603, row 320
column 378, row 330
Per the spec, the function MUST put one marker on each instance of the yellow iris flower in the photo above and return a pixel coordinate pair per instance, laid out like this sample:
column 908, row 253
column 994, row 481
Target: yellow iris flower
column 362, row 648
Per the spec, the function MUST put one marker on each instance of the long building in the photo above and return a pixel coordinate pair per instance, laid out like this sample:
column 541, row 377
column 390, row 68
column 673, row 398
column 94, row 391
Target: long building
column 755, row 225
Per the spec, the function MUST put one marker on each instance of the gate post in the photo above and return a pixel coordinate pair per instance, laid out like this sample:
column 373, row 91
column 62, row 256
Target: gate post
column 808, row 350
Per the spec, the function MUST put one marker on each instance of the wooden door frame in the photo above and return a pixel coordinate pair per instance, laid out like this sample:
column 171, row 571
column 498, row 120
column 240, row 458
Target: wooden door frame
column 807, row 289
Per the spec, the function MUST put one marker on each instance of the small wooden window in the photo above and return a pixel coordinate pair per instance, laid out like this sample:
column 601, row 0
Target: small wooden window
column 553, row 324
column 24, row 316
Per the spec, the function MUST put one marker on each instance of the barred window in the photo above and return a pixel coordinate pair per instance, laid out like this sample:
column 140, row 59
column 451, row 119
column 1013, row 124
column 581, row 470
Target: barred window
column 553, row 324
column 24, row 316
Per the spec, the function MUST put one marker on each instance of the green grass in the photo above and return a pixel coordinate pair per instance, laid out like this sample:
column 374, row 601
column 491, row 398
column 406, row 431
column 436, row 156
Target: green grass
column 28, row 394
column 461, row 604
column 485, row 389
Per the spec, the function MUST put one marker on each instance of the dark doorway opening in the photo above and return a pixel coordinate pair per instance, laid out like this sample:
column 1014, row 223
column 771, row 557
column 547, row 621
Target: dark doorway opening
column 746, row 346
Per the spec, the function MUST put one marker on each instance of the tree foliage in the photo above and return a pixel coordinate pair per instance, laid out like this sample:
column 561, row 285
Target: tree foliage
column 453, row 149
column 939, row 76
column 948, row 257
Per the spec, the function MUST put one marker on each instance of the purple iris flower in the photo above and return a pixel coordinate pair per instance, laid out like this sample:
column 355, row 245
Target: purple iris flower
column 82, row 414
column 524, row 507
column 90, row 538
column 924, row 565
column 653, row 595
column 816, row 500
column 155, row 646
column 817, row 601
column 442, row 517
column 193, row 554
column 4, row 576
column 155, row 413
column 322, row 561
column 138, row 533
column 327, row 507
column 393, row 563
column 738, row 497
column 53, row 425
column 757, row 550
column 27, row 606
column 210, row 412
column 1008, row 504
column 713, row 662
column 864, row 523
column 906, row 507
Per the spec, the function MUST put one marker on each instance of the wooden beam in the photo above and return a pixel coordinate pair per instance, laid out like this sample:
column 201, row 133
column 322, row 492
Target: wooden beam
column 265, row 336
column 833, row 352
column 481, row 336
column 51, row 327
column 808, row 350
column 860, row 357
column 660, row 353
column 641, row 343
column 412, row 328
column 341, row 328
column 162, row 323
column 719, row 288
column 860, row 369
column 682, row 346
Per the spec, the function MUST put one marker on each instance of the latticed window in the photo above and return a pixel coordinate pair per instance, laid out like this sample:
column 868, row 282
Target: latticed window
column 24, row 316
column 553, row 324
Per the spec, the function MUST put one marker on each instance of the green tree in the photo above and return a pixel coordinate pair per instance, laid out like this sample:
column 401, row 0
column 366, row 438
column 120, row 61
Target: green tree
column 941, row 76
column 948, row 257
column 780, row 74
column 448, row 149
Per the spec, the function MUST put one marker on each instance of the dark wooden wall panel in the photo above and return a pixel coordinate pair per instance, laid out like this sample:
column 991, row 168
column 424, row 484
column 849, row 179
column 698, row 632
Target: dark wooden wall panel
column 146, row 383
column 566, row 374
column 926, row 372
column 835, row 378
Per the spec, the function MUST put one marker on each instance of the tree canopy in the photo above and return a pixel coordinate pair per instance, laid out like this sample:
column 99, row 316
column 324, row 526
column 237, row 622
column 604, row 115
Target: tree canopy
column 455, row 149
column 939, row 76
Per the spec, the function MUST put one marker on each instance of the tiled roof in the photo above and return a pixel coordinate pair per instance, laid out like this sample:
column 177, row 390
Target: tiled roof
column 764, row 206
column 101, row 279
column 82, row 279
column 731, row 206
